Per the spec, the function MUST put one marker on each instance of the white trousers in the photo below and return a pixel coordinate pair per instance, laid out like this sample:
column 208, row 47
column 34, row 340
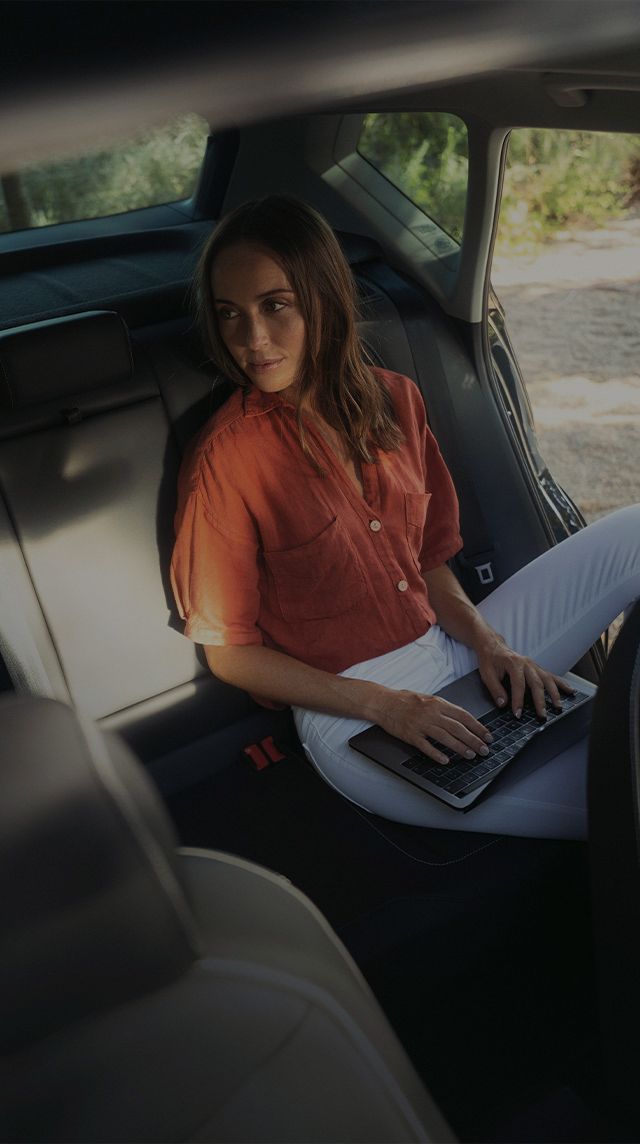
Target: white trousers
column 553, row 610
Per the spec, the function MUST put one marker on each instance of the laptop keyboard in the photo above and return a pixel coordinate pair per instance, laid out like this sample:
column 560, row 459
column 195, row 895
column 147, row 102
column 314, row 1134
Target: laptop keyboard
column 460, row 776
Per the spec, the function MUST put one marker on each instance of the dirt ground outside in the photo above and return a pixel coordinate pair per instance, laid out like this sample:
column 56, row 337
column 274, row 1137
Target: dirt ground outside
column 573, row 314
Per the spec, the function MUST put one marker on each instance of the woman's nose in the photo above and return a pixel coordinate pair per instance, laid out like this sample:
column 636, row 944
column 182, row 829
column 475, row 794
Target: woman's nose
column 255, row 332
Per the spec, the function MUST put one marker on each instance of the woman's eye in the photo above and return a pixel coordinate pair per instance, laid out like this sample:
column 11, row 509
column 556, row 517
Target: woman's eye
column 274, row 305
column 225, row 313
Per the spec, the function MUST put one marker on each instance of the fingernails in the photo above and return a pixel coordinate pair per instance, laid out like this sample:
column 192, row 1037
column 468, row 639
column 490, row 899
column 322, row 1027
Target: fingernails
column 484, row 750
column 500, row 702
column 518, row 712
column 469, row 754
column 488, row 737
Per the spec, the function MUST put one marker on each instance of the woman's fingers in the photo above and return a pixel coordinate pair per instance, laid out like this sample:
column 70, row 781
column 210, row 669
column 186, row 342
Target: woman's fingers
column 492, row 680
column 431, row 751
column 429, row 723
column 540, row 684
column 508, row 676
column 535, row 683
column 455, row 728
column 551, row 687
column 554, row 684
column 454, row 736
column 564, row 686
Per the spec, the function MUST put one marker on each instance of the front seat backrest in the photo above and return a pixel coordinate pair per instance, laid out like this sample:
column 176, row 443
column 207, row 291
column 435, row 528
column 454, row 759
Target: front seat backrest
column 156, row 995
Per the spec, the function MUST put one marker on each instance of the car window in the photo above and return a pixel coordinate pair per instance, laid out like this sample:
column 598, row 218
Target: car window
column 425, row 154
column 159, row 166
column 566, row 269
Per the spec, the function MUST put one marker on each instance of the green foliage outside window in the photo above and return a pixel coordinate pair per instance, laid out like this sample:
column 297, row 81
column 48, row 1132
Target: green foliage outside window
column 160, row 166
column 425, row 154
column 554, row 179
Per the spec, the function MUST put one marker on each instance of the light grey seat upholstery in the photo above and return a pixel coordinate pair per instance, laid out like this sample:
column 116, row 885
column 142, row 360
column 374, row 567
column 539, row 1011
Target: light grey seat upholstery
column 154, row 995
column 89, row 455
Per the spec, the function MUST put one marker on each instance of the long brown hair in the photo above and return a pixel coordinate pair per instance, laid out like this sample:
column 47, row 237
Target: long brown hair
column 335, row 379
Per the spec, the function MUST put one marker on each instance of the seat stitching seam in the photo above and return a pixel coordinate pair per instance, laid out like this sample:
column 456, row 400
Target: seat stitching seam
column 259, row 1065
column 425, row 861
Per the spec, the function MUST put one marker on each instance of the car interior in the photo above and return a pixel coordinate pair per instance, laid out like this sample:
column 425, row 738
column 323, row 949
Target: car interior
column 204, row 941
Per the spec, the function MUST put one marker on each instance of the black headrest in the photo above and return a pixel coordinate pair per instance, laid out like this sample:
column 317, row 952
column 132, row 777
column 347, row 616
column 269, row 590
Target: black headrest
column 93, row 910
column 63, row 356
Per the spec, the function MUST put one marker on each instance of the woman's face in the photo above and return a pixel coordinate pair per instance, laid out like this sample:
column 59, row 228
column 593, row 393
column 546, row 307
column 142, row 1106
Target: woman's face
column 258, row 317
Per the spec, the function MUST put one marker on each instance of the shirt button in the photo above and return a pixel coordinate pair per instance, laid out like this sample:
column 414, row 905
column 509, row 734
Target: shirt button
column 375, row 525
column 402, row 585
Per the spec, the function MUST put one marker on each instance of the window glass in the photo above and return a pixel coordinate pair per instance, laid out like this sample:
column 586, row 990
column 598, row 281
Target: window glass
column 159, row 166
column 567, row 271
column 425, row 154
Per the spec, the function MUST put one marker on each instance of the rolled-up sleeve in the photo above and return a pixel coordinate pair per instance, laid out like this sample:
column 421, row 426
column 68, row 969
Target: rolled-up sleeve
column 214, row 570
column 442, row 538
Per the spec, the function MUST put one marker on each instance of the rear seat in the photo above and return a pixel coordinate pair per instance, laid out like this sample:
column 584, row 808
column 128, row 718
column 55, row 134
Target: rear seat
column 88, row 467
column 92, row 426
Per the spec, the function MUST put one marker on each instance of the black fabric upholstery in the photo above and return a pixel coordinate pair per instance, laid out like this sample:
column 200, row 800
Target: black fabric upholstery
column 614, row 838
column 144, row 274
column 93, row 911
column 63, row 356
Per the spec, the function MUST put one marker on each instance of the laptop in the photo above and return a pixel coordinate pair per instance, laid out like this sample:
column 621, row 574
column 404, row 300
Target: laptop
column 461, row 782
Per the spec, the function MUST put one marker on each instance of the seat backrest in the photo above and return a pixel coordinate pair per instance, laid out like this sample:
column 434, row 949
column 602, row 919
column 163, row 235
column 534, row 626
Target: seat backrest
column 94, row 910
column 156, row 995
column 88, row 472
column 614, row 846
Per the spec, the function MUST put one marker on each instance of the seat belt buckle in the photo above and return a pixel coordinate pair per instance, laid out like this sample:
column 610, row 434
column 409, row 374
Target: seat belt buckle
column 482, row 564
column 485, row 572
column 262, row 754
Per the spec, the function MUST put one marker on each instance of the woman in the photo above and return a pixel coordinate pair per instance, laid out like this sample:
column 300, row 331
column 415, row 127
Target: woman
column 315, row 521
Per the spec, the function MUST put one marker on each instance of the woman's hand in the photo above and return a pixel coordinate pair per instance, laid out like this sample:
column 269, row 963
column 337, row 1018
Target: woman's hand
column 417, row 718
column 496, row 662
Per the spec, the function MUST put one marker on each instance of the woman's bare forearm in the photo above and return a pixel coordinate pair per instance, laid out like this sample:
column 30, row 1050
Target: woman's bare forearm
column 455, row 612
column 279, row 677
column 405, row 714
column 497, row 662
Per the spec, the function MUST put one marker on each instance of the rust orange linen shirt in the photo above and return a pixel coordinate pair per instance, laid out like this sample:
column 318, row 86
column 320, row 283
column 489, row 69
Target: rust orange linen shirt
column 269, row 552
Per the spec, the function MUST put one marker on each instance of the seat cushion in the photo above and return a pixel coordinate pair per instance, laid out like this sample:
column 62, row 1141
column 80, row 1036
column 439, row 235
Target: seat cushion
column 272, row 1035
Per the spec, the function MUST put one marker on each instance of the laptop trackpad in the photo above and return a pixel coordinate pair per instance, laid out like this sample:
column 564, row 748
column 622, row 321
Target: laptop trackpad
column 468, row 692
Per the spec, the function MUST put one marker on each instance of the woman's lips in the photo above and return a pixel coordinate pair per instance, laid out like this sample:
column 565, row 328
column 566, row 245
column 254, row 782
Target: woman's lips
column 264, row 366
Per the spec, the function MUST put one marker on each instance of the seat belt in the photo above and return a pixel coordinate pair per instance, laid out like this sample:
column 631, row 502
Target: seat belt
column 478, row 563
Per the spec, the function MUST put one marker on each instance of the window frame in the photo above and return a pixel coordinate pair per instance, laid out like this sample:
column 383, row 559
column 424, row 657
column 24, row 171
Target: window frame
column 205, row 202
column 450, row 245
column 458, row 280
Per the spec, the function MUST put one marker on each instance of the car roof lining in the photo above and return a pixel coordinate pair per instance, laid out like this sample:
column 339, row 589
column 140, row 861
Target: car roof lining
column 522, row 98
column 413, row 49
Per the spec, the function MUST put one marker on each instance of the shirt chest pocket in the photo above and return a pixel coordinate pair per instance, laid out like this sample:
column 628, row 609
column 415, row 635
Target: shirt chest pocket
column 322, row 578
column 416, row 505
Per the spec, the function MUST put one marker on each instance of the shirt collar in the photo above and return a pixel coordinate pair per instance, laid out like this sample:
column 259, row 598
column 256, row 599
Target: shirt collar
column 255, row 401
